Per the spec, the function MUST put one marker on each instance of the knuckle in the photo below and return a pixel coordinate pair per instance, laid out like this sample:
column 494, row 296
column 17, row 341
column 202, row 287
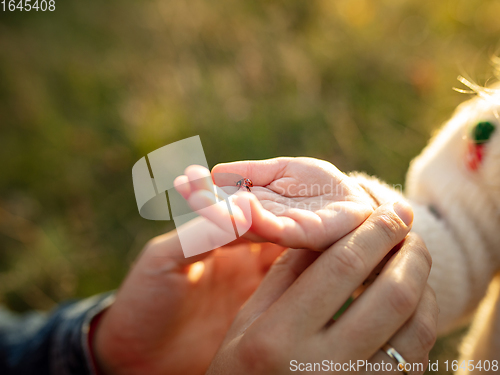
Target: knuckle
column 259, row 352
column 425, row 332
column 283, row 259
column 432, row 293
column 347, row 260
column 418, row 246
column 402, row 298
column 389, row 226
column 284, row 266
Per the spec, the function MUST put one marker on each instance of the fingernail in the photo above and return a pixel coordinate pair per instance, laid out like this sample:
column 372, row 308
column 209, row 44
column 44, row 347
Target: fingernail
column 404, row 211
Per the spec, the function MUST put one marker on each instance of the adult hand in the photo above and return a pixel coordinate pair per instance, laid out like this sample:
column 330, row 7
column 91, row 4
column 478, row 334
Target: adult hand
column 171, row 316
column 288, row 321
column 295, row 202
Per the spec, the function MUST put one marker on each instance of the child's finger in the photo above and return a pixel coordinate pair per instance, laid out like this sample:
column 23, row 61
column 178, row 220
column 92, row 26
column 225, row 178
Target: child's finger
column 252, row 221
column 246, row 211
column 263, row 222
column 203, row 202
column 181, row 184
column 261, row 172
column 199, row 178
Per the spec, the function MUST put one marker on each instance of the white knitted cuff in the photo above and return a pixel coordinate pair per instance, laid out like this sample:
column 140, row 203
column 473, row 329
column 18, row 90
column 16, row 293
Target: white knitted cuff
column 379, row 191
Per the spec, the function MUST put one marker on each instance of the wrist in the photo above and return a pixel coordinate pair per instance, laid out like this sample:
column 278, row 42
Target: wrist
column 105, row 347
column 113, row 351
column 91, row 339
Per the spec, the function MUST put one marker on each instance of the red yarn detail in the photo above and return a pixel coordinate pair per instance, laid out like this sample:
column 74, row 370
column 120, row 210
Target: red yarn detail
column 474, row 157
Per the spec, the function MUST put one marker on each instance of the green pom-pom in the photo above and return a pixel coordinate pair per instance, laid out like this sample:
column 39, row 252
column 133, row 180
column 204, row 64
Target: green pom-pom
column 482, row 132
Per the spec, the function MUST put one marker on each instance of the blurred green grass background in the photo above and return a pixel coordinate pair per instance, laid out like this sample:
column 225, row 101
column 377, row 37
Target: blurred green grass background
column 87, row 90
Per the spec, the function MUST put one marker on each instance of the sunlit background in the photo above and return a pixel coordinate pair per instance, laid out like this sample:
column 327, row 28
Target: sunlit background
column 87, row 90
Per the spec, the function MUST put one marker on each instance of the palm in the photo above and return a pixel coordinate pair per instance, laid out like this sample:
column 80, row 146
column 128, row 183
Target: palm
column 305, row 197
column 209, row 307
column 162, row 309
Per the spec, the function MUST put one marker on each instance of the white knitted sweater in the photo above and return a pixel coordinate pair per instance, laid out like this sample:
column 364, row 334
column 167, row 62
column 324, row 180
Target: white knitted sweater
column 456, row 203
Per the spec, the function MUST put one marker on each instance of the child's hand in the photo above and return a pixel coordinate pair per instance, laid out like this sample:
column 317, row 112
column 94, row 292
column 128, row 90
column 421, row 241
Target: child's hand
column 294, row 202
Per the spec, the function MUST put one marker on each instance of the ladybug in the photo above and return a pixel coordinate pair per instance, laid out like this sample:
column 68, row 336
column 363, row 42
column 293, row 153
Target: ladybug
column 245, row 182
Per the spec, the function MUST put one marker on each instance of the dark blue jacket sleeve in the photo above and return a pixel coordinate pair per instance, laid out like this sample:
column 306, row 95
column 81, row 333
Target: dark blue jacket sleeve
column 49, row 344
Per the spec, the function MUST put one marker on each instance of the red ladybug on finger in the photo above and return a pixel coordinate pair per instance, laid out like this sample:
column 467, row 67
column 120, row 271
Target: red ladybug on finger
column 246, row 183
